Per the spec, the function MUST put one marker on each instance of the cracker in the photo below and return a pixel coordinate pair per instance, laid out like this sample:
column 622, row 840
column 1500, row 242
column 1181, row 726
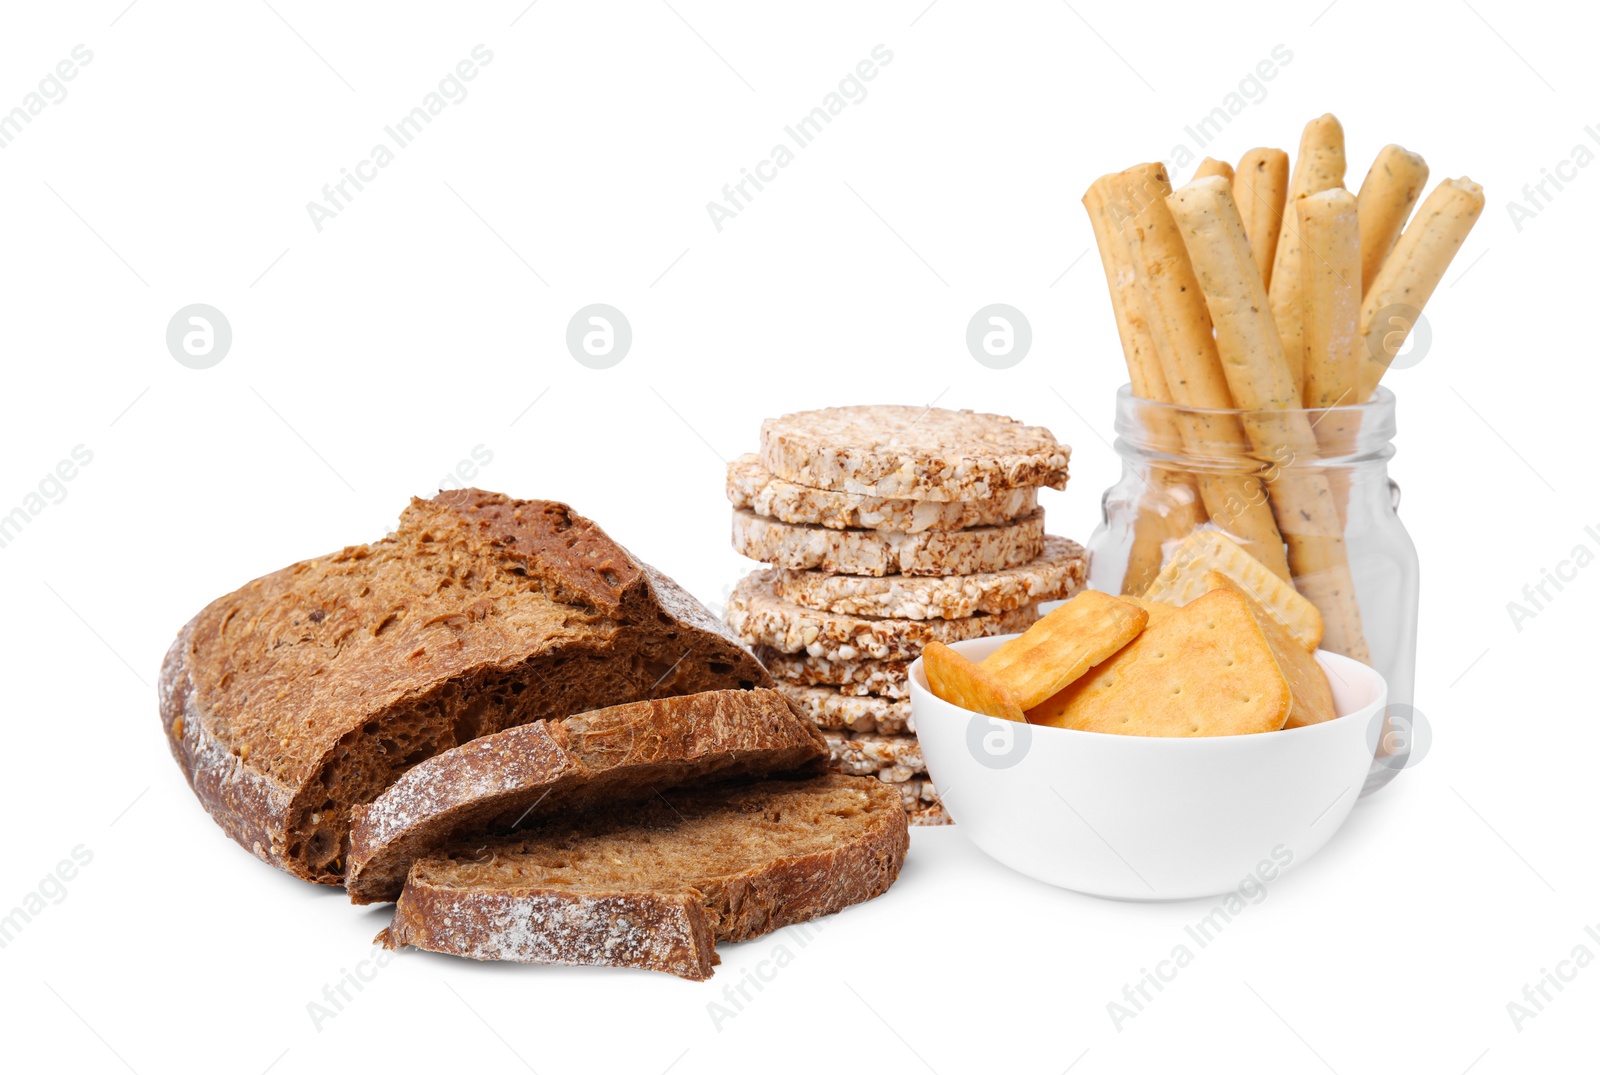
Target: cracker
column 889, row 552
column 1057, row 574
column 919, row 453
column 1205, row 670
column 960, row 682
column 1310, row 697
column 750, row 486
column 1184, row 578
column 1064, row 645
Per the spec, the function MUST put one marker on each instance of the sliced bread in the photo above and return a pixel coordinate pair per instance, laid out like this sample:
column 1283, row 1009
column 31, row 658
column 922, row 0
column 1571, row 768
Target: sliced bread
column 613, row 755
column 313, row 688
column 655, row 884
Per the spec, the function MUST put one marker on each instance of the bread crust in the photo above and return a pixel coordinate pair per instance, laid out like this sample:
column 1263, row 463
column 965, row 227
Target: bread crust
column 273, row 694
column 658, row 930
column 612, row 755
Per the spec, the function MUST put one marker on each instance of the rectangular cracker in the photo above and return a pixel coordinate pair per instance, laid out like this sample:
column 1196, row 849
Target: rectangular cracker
column 1207, row 669
column 1184, row 578
column 960, row 682
column 1310, row 697
column 1064, row 645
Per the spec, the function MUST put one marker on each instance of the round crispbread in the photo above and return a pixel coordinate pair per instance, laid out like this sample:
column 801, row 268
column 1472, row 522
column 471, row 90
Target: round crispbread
column 916, row 453
column 888, row 679
column 1057, row 574
column 759, row 616
column 751, row 487
column 888, row 552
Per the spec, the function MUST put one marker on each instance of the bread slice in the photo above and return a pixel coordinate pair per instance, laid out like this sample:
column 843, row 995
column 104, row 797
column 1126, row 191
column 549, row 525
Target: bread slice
column 312, row 688
column 656, row 883
column 612, row 755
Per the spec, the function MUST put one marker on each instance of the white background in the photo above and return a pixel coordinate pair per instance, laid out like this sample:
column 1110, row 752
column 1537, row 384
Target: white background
column 421, row 322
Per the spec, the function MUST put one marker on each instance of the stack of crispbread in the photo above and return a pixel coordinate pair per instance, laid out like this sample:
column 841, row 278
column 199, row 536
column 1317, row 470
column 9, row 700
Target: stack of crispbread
column 887, row 528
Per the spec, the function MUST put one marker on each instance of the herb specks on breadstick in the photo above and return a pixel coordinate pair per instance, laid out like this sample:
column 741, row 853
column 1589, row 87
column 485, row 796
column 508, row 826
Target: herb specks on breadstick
column 1319, row 167
column 1392, row 187
column 1261, row 189
column 1330, row 271
column 1410, row 274
column 1258, row 377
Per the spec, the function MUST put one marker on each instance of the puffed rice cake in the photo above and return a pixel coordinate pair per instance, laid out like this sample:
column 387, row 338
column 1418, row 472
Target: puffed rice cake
column 919, row 453
column 888, row 552
column 749, row 486
column 1057, row 574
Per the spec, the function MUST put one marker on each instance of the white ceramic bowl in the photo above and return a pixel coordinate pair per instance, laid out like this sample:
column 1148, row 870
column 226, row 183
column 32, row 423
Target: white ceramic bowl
column 1144, row 818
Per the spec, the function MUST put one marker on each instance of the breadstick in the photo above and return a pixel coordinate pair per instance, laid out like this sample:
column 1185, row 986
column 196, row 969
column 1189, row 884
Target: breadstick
column 1211, row 166
column 1319, row 167
column 1330, row 273
column 1330, row 285
column 1180, row 329
column 1261, row 188
column 1170, row 507
column 1393, row 184
column 1259, row 380
column 1410, row 274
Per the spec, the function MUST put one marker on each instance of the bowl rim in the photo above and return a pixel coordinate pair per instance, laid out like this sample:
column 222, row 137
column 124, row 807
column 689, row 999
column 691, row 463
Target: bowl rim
column 920, row 690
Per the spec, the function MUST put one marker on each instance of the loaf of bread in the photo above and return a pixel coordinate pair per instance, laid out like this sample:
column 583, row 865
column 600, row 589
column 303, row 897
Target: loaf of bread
column 312, row 689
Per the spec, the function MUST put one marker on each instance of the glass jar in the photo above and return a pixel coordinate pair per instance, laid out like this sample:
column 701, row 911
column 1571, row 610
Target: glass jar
column 1251, row 475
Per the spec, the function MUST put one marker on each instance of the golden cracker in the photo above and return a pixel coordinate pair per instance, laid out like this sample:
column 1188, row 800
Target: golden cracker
column 962, row 683
column 1183, row 579
column 1207, row 669
column 1310, row 697
column 1064, row 645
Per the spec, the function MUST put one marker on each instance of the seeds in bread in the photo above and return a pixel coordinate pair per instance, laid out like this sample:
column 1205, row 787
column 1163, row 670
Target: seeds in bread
column 828, row 707
column 656, row 883
column 750, row 487
column 313, row 688
column 917, row 453
column 759, row 616
column 497, row 782
column 889, row 552
column 1056, row 575
column 889, row 679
